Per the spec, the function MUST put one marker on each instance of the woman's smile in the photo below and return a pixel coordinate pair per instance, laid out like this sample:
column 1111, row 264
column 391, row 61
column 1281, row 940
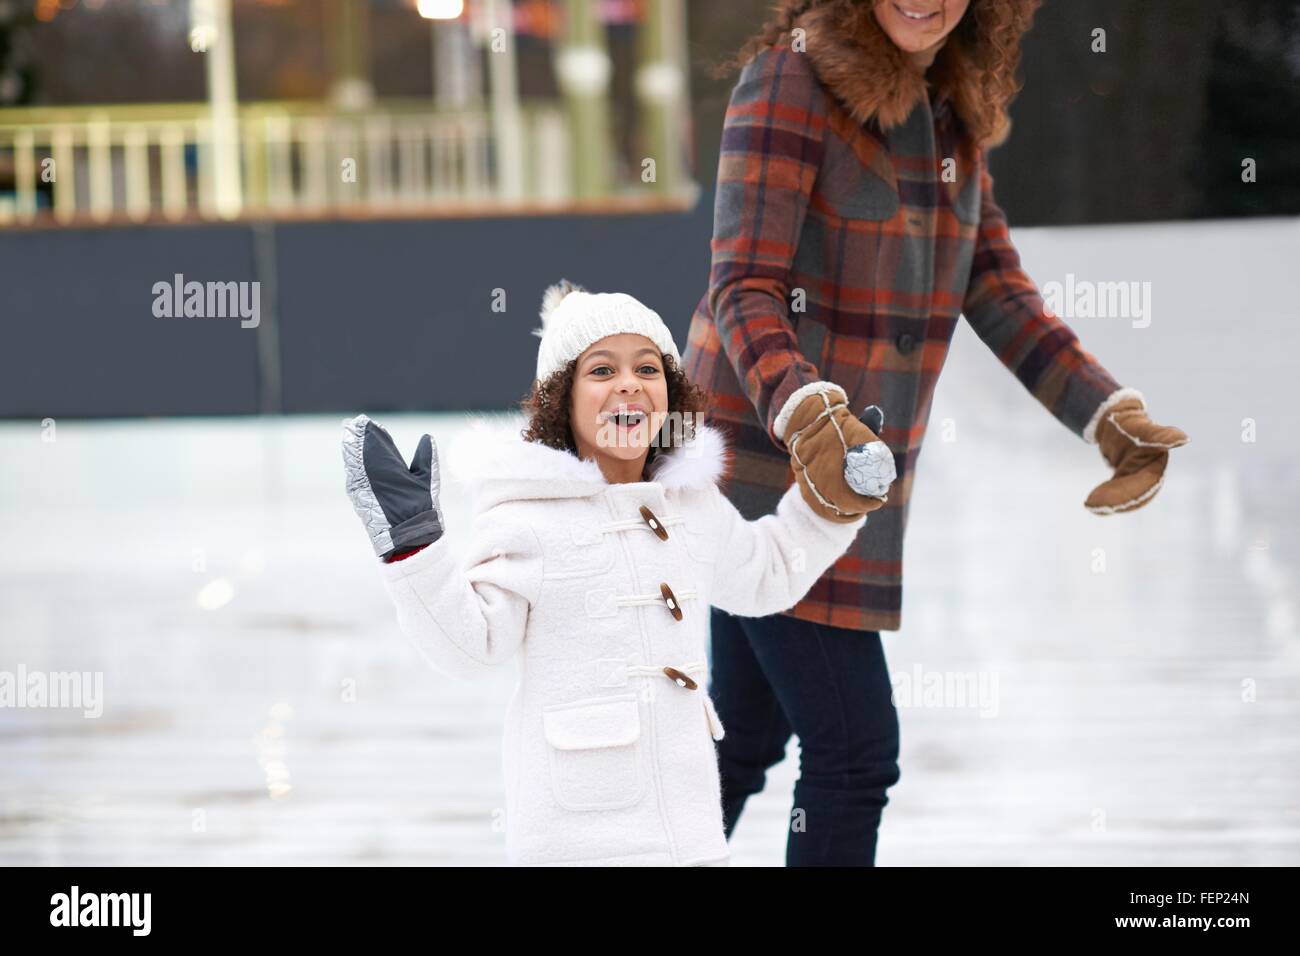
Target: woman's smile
column 915, row 16
column 918, row 27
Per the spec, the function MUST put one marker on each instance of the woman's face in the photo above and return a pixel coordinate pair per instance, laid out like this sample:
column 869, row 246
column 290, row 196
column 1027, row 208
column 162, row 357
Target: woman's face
column 918, row 27
column 622, row 372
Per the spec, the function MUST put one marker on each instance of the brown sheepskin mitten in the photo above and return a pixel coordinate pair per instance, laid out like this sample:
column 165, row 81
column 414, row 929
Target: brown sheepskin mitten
column 835, row 456
column 1138, row 449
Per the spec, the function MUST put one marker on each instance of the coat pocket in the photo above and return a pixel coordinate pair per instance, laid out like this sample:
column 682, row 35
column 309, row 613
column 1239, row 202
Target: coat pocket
column 594, row 752
column 578, row 550
column 868, row 198
column 855, row 189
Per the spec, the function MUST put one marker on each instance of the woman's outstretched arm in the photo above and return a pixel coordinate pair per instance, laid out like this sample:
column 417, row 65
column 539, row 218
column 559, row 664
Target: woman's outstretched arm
column 1005, row 309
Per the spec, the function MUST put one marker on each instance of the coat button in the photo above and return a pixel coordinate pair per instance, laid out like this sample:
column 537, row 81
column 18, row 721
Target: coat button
column 906, row 342
column 671, row 600
column 655, row 524
column 681, row 678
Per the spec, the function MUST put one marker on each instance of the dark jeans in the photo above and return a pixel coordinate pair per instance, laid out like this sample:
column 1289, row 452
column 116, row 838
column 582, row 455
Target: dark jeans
column 776, row 675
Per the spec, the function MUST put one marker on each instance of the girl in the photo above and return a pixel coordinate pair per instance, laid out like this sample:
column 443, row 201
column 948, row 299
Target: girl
column 595, row 555
column 854, row 181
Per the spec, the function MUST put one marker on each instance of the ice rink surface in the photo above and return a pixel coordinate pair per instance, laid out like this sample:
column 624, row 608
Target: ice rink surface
column 1142, row 671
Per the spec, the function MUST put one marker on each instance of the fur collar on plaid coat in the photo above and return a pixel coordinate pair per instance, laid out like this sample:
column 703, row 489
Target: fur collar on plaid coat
column 873, row 78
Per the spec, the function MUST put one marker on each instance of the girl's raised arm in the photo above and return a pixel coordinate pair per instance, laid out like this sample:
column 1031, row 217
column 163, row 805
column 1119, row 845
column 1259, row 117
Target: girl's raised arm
column 1004, row 307
column 469, row 616
column 463, row 617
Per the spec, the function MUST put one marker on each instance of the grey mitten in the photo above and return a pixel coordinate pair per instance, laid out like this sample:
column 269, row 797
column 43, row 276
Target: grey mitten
column 398, row 505
column 869, row 468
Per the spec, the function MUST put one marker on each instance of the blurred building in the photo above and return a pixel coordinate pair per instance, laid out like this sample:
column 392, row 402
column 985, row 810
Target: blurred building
column 142, row 109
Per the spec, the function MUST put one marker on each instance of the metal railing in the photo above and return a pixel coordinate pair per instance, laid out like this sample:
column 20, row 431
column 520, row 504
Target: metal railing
column 138, row 163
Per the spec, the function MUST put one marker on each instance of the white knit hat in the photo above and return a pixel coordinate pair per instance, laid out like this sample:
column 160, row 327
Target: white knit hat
column 573, row 319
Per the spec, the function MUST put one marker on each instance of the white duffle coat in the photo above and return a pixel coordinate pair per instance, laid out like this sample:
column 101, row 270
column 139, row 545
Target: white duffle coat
column 608, row 758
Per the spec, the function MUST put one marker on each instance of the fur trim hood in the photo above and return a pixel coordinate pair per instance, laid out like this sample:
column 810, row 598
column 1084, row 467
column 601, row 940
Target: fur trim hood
column 496, row 464
column 857, row 62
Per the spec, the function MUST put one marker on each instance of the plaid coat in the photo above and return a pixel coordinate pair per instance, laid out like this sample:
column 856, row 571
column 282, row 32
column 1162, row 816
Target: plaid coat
column 841, row 253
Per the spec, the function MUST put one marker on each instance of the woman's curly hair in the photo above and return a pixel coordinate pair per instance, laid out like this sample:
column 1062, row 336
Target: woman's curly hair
column 547, row 408
column 977, row 64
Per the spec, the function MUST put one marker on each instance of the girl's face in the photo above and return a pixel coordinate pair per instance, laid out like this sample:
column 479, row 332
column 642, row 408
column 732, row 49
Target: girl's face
column 919, row 27
column 622, row 372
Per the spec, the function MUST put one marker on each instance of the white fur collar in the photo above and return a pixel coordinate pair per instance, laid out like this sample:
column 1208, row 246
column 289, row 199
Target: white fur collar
column 492, row 458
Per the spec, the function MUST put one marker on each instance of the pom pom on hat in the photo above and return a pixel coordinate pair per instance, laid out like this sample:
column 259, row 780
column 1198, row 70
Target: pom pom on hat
column 551, row 300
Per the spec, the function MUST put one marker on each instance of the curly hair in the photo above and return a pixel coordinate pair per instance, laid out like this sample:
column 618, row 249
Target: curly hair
column 976, row 66
column 547, row 407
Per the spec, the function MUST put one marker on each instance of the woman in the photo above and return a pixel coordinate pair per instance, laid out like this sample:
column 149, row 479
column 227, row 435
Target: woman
column 854, row 223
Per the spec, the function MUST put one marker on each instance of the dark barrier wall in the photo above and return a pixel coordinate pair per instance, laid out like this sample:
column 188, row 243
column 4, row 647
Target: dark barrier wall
column 373, row 316
column 78, row 336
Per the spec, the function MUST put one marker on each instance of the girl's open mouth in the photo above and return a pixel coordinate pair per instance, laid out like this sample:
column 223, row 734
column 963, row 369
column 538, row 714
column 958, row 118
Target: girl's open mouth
column 625, row 420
